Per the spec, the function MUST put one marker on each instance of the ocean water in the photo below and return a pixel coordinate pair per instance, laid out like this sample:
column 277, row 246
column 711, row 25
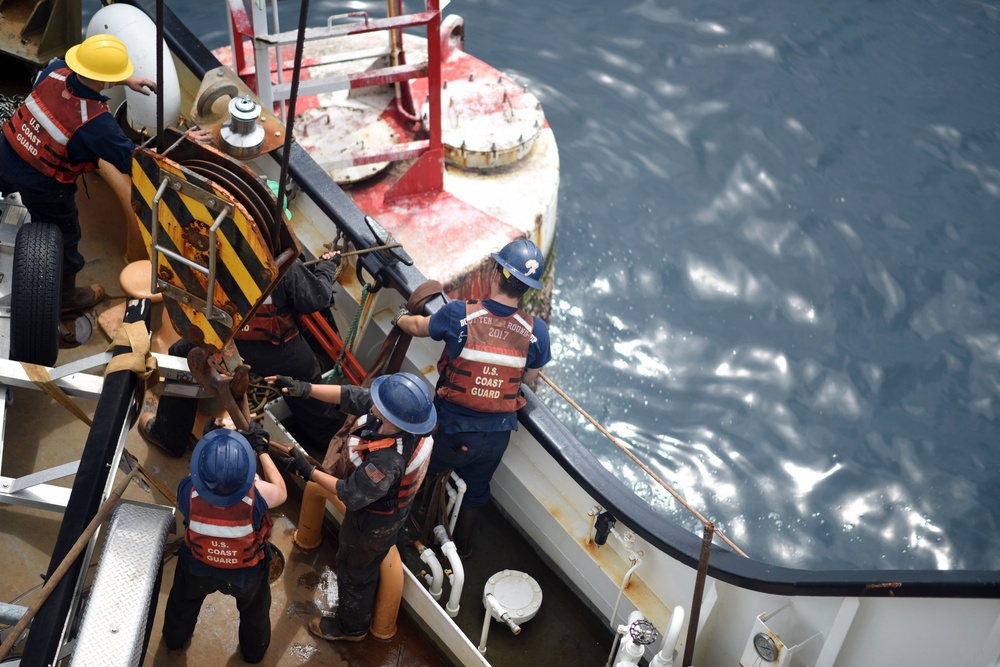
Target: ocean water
column 777, row 270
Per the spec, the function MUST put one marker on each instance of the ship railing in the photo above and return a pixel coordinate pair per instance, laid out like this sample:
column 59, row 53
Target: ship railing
column 254, row 27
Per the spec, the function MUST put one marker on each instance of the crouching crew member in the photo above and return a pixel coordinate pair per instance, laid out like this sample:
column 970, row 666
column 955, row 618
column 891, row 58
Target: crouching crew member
column 390, row 452
column 226, row 531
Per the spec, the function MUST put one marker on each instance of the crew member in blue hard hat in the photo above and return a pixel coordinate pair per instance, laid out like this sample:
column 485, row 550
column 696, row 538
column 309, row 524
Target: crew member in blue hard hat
column 390, row 448
column 491, row 348
column 60, row 132
column 226, row 530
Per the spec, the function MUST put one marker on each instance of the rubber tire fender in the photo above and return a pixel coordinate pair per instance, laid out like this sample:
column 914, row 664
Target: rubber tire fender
column 36, row 294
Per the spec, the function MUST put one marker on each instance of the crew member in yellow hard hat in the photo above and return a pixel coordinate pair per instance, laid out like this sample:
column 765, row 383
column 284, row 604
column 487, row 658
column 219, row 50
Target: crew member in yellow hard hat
column 60, row 132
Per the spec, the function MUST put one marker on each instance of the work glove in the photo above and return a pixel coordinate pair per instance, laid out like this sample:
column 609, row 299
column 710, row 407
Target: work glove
column 296, row 388
column 258, row 438
column 333, row 261
column 296, row 464
column 403, row 310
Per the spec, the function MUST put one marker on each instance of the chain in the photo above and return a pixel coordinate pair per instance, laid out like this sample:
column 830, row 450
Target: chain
column 8, row 105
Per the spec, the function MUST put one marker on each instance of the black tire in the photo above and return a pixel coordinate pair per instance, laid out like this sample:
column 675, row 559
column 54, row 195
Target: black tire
column 36, row 290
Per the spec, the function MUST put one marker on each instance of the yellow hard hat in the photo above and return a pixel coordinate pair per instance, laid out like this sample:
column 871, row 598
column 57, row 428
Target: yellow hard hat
column 102, row 58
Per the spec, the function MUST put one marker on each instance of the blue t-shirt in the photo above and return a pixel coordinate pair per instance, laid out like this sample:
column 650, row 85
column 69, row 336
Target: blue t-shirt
column 447, row 325
column 200, row 569
column 100, row 138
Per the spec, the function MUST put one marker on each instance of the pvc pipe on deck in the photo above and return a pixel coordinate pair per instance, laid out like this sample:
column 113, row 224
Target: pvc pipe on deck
column 388, row 596
column 449, row 549
column 668, row 654
column 309, row 534
column 435, row 580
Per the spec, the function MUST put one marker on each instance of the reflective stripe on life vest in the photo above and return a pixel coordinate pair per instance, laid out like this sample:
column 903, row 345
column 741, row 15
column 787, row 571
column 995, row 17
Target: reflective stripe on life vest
column 224, row 536
column 41, row 128
column 486, row 375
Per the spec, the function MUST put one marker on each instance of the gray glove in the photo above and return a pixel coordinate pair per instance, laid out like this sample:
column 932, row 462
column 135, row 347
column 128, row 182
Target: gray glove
column 296, row 388
column 400, row 313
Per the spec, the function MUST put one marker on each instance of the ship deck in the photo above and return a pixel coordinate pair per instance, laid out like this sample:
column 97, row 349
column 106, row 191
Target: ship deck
column 40, row 434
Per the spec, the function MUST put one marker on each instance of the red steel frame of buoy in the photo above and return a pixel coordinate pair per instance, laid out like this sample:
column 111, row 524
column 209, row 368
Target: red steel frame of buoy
column 426, row 175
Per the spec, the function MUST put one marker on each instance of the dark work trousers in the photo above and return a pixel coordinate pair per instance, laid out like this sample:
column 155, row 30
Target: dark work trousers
column 475, row 464
column 317, row 421
column 365, row 539
column 58, row 206
column 253, row 601
column 175, row 415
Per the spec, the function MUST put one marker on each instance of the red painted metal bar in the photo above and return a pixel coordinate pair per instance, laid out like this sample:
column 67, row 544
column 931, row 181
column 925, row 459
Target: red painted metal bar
column 370, row 25
column 242, row 28
column 332, row 344
column 372, row 156
column 357, row 80
column 434, row 84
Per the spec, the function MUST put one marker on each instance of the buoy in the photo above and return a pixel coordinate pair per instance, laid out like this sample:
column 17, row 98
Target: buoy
column 138, row 32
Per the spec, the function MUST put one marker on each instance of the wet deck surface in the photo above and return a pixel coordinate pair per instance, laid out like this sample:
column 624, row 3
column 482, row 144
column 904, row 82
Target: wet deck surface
column 563, row 632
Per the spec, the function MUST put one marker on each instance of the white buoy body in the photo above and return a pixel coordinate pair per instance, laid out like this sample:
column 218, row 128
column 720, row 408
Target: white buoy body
column 138, row 32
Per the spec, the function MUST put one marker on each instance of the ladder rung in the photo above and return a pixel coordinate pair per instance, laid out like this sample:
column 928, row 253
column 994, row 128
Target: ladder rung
column 403, row 151
column 375, row 77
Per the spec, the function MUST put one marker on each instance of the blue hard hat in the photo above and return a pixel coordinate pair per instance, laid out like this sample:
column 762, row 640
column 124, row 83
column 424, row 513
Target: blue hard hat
column 406, row 401
column 523, row 260
column 222, row 467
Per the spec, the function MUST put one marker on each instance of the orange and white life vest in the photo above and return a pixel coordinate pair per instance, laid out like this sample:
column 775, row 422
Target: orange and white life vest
column 224, row 536
column 41, row 128
column 402, row 492
column 486, row 375
column 269, row 324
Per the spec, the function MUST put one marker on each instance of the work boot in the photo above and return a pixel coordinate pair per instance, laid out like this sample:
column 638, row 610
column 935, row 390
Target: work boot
column 465, row 527
column 328, row 628
column 79, row 298
column 147, row 432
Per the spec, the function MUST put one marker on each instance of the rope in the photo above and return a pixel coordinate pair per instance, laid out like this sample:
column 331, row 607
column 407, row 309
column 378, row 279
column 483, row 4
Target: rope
column 639, row 463
column 363, row 251
column 40, row 376
column 260, row 393
column 349, row 338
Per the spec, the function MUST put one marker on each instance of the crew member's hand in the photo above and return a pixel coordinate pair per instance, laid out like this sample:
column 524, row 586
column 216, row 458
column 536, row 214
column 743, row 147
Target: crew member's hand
column 199, row 135
column 290, row 386
column 140, row 85
column 403, row 310
column 296, row 464
column 332, row 256
column 258, row 438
